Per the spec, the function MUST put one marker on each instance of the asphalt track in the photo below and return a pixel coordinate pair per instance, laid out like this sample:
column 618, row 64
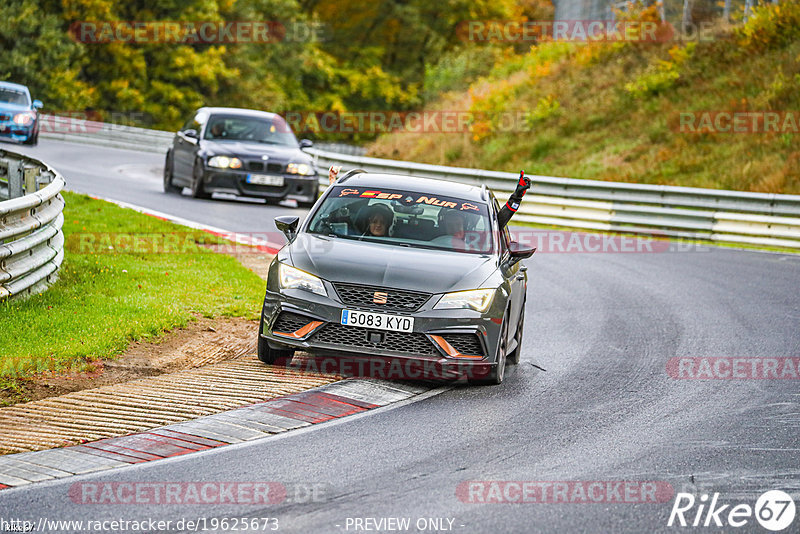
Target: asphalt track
column 591, row 400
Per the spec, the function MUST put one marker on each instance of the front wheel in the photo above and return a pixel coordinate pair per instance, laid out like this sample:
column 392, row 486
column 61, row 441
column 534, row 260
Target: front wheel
column 272, row 356
column 33, row 140
column 269, row 355
column 514, row 357
column 497, row 374
column 168, row 172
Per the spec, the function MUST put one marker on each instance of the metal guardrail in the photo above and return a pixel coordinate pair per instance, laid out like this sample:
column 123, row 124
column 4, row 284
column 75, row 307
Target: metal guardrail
column 31, row 240
column 104, row 134
column 681, row 212
column 658, row 210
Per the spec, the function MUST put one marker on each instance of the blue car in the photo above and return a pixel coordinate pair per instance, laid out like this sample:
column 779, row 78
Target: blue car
column 19, row 116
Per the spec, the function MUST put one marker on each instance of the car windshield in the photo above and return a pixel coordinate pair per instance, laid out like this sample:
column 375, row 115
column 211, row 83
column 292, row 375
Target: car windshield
column 273, row 131
column 12, row 96
column 404, row 218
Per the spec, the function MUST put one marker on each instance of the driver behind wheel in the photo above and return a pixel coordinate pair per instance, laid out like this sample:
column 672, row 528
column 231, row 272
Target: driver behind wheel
column 379, row 220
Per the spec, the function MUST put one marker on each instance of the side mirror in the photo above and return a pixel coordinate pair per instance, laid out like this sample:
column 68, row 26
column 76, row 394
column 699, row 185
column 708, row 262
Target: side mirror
column 518, row 253
column 192, row 133
column 306, row 143
column 288, row 225
column 38, row 104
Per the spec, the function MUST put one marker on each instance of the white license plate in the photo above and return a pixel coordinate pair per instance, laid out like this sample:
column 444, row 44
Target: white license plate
column 264, row 179
column 379, row 321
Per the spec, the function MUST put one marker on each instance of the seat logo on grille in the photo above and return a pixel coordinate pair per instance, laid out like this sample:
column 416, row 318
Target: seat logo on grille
column 379, row 297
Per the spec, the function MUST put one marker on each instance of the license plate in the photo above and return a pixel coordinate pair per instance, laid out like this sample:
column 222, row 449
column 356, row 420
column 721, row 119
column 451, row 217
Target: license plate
column 264, row 179
column 379, row 321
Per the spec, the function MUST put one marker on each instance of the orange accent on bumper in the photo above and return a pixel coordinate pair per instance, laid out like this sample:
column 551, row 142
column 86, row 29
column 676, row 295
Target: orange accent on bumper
column 300, row 332
column 451, row 350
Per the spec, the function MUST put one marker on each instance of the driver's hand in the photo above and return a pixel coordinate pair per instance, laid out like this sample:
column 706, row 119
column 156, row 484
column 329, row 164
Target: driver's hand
column 523, row 185
column 333, row 172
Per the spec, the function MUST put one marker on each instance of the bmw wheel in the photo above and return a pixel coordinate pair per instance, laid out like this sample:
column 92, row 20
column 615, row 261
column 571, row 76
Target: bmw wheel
column 198, row 190
column 168, row 168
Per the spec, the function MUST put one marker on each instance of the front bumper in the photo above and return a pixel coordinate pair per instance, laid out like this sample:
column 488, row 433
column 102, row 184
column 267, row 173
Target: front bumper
column 300, row 188
column 446, row 343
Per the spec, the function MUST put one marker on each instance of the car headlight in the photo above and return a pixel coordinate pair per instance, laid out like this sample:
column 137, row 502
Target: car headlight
column 293, row 278
column 224, row 162
column 300, row 168
column 23, row 119
column 475, row 299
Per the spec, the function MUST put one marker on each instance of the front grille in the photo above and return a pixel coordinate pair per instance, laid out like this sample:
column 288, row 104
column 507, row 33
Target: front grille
column 289, row 322
column 351, row 337
column 397, row 299
column 467, row 344
column 260, row 166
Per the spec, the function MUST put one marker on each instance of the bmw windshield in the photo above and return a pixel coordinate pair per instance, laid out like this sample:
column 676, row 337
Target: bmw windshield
column 273, row 131
column 404, row 218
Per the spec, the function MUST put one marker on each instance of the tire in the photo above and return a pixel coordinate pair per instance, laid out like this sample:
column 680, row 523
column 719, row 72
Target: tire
column 168, row 172
column 198, row 189
column 272, row 356
column 33, row 140
column 495, row 378
column 269, row 355
column 514, row 357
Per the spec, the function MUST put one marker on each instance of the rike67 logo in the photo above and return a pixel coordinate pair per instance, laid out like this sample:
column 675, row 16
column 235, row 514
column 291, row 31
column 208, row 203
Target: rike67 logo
column 774, row 510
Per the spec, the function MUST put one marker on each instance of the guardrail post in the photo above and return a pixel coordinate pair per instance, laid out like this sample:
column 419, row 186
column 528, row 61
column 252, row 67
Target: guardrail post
column 14, row 179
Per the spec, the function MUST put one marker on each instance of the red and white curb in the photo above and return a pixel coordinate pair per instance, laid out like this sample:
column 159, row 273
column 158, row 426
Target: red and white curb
column 256, row 421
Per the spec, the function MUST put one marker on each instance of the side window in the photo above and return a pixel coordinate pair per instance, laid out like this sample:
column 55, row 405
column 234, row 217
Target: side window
column 505, row 236
column 188, row 125
column 195, row 122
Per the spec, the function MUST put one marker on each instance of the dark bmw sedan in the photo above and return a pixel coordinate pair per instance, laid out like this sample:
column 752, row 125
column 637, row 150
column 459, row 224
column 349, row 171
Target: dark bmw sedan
column 242, row 152
column 402, row 269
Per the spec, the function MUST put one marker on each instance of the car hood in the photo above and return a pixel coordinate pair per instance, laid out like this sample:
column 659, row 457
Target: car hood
column 375, row 264
column 247, row 149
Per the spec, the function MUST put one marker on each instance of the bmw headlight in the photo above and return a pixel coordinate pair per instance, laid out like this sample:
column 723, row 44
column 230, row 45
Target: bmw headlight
column 224, row 162
column 475, row 299
column 293, row 278
column 300, row 168
column 24, row 119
